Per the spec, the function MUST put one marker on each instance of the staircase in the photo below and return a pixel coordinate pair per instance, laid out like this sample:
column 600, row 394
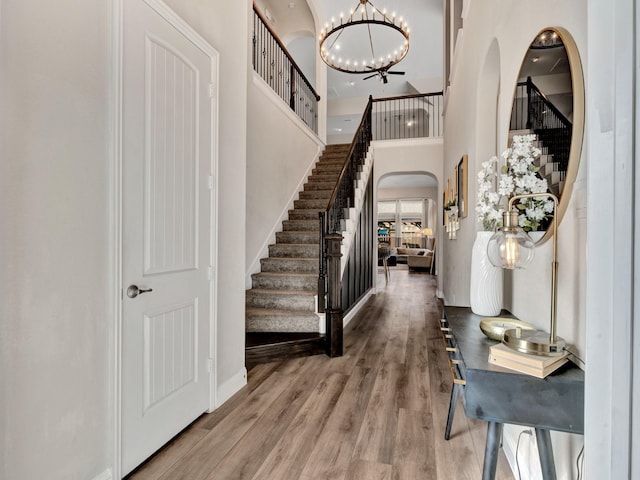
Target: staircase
column 550, row 169
column 281, row 305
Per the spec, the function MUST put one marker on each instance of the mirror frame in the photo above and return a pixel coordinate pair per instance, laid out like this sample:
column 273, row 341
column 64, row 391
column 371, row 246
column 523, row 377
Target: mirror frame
column 577, row 134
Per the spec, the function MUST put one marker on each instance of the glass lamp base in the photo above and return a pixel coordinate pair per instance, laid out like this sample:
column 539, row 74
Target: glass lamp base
column 533, row 342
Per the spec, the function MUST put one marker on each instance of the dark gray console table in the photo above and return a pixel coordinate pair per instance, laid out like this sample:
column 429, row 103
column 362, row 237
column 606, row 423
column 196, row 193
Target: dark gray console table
column 498, row 395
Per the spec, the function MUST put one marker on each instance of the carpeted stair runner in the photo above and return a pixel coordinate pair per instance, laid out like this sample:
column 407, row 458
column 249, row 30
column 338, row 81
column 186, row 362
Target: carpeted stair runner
column 282, row 297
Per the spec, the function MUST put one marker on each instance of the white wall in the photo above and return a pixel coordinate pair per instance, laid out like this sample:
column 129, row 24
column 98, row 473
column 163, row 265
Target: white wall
column 56, row 315
column 281, row 151
column 303, row 51
column 613, row 343
column 55, row 307
column 497, row 34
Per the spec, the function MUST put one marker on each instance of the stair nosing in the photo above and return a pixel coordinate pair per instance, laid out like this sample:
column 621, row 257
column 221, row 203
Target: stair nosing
column 277, row 311
column 279, row 291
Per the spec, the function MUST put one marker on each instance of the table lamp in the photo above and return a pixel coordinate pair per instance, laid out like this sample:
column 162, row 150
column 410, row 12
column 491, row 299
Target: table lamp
column 510, row 247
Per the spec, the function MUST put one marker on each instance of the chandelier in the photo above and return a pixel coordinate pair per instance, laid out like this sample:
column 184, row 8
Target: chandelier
column 369, row 40
column 547, row 39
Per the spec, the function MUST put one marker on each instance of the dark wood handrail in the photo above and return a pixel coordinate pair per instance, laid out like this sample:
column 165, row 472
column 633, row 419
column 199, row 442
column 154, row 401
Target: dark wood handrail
column 402, row 97
column 285, row 51
column 529, row 83
column 336, row 189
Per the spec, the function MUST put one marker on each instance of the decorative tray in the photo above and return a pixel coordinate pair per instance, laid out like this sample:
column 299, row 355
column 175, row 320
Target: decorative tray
column 494, row 327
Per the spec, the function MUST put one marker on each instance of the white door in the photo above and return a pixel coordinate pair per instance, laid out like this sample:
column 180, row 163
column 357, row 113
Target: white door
column 166, row 210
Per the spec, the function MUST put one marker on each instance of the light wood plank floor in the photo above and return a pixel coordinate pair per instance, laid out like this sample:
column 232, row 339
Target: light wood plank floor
column 377, row 413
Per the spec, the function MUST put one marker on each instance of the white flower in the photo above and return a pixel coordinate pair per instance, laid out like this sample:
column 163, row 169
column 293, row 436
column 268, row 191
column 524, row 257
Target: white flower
column 519, row 176
column 506, row 186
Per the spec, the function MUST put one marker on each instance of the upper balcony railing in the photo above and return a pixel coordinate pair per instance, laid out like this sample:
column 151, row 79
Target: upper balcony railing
column 407, row 116
column 274, row 64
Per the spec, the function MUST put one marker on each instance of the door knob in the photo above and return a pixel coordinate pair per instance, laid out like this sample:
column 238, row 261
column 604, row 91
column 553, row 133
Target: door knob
column 133, row 291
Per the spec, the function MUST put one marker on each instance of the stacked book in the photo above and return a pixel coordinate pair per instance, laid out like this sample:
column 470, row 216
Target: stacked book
column 535, row 365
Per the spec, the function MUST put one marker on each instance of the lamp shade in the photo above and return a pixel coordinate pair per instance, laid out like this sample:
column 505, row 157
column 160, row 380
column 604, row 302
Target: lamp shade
column 510, row 247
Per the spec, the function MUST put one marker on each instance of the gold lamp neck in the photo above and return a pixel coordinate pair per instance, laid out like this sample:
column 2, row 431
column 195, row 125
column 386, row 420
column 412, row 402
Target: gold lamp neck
column 510, row 218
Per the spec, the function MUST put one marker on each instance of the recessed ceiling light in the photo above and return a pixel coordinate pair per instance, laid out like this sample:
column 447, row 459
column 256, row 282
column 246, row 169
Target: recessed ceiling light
column 338, row 129
column 352, row 83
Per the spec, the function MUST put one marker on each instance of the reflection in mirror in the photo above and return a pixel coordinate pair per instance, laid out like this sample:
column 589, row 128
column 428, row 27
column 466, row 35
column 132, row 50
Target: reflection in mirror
column 549, row 101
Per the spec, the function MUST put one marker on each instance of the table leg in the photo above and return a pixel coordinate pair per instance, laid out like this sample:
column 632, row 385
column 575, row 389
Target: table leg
column 491, row 450
column 452, row 409
column 545, row 452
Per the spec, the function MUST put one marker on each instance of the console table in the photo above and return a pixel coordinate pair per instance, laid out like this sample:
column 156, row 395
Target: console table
column 499, row 395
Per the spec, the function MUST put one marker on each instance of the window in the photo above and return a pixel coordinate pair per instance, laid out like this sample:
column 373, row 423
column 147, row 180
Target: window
column 400, row 222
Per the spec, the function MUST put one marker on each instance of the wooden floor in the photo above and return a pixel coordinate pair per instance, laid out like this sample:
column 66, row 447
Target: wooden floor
column 377, row 413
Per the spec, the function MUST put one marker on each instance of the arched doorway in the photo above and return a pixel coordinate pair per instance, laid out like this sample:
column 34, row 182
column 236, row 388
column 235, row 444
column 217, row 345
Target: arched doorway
column 407, row 208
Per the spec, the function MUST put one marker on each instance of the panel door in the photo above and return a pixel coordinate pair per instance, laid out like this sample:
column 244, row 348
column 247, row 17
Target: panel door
column 166, row 203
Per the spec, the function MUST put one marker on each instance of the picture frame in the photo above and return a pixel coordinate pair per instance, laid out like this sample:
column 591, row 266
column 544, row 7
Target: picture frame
column 444, row 208
column 462, row 186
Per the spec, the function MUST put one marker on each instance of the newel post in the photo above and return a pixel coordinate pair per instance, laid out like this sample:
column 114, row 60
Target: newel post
column 529, row 125
column 333, row 311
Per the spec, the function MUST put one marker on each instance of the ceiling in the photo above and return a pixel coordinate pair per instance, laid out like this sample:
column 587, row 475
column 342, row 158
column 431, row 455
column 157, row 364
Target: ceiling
column 548, row 61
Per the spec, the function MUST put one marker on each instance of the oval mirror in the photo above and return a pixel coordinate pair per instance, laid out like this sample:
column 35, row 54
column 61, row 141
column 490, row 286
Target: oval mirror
column 549, row 101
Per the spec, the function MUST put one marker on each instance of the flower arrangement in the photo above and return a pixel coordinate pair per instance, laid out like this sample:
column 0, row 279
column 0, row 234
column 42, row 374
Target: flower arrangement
column 518, row 176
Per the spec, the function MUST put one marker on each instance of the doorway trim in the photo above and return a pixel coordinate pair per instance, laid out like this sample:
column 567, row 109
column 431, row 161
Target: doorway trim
column 116, row 213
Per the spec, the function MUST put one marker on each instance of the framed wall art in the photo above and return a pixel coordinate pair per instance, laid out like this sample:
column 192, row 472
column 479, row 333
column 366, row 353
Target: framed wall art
column 462, row 186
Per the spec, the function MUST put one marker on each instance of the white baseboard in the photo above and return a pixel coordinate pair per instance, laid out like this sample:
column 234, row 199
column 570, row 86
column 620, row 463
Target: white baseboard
column 357, row 307
column 106, row 475
column 230, row 387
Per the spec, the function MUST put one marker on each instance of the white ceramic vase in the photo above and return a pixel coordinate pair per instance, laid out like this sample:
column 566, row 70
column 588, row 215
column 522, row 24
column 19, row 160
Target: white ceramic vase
column 486, row 280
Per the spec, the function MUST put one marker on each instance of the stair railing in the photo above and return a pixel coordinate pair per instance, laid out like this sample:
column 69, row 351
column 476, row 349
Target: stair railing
column 276, row 66
column 407, row 116
column 342, row 198
column 403, row 117
column 532, row 110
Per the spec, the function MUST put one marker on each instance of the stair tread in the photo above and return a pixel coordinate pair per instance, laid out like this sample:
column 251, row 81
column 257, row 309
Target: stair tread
column 280, row 292
column 288, row 259
column 268, row 312
column 297, row 244
column 287, row 274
